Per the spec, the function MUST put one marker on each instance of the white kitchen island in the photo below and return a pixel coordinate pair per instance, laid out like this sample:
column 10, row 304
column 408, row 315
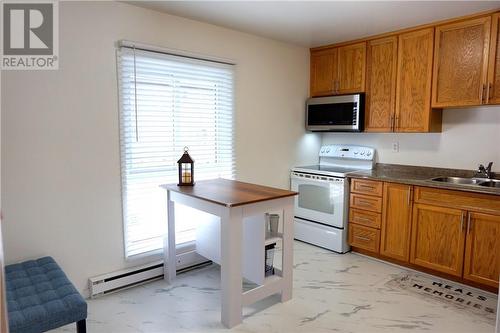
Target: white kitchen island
column 239, row 208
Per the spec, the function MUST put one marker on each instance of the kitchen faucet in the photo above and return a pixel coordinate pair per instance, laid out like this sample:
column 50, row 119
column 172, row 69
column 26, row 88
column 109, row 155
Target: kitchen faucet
column 484, row 172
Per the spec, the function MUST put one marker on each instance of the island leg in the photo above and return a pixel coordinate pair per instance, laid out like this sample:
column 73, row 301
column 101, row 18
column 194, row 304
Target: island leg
column 287, row 272
column 169, row 256
column 231, row 266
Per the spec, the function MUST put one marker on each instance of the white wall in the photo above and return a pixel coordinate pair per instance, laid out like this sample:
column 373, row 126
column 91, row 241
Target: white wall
column 60, row 141
column 470, row 136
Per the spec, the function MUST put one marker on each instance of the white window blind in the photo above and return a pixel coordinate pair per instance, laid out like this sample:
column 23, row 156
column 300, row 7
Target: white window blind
column 168, row 102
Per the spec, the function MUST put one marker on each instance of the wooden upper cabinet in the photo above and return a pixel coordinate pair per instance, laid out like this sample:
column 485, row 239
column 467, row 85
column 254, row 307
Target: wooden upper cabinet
column 351, row 68
column 323, row 72
column 381, row 62
column 461, row 63
column 438, row 238
column 338, row 70
column 494, row 65
column 413, row 111
column 482, row 250
column 396, row 221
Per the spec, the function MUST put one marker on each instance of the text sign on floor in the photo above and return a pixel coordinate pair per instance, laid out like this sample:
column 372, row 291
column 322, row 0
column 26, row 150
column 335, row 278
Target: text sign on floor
column 459, row 296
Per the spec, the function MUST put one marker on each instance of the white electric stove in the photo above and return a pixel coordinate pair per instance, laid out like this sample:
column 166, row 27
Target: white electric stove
column 322, row 204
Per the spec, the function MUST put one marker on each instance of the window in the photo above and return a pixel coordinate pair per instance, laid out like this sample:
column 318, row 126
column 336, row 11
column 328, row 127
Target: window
column 168, row 102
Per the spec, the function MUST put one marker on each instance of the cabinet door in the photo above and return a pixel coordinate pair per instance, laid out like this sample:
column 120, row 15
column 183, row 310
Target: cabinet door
column 494, row 66
column 460, row 63
column 351, row 68
column 438, row 238
column 414, row 82
column 396, row 221
column 482, row 249
column 381, row 84
column 323, row 72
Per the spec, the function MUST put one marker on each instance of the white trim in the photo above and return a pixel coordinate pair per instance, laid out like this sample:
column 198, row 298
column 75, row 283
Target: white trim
column 98, row 286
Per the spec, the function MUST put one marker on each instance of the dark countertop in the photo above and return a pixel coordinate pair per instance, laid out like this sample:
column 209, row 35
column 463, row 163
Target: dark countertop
column 417, row 175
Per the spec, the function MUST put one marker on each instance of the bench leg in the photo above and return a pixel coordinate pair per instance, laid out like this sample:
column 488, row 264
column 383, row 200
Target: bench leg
column 81, row 326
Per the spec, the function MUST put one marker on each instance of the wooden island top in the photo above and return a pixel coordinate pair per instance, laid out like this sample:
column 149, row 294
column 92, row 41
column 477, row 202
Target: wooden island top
column 230, row 193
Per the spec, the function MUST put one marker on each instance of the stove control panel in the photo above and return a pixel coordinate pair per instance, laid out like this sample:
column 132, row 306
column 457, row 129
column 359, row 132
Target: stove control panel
column 348, row 152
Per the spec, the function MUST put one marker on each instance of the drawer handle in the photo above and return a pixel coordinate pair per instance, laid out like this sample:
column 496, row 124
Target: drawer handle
column 363, row 219
column 364, row 203
column 363, row 238
column 366, row 186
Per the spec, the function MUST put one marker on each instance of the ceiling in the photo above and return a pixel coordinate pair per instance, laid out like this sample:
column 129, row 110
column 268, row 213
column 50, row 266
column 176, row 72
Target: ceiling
column 315, row 23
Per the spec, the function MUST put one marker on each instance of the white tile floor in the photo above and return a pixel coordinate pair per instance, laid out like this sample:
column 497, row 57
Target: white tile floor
column 332, row 293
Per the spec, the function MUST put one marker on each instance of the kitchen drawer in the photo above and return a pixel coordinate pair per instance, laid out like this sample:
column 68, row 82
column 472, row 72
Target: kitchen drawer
column 364, row 217
column 364, row 237
column 458, row 199
column 373, row 204
column 369, row 187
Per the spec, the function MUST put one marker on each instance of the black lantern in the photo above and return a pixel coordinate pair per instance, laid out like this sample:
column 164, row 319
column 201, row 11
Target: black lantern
column 186, row 169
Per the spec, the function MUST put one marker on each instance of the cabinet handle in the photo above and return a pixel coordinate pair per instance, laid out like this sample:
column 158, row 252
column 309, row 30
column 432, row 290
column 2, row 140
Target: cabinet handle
column 490, row 91
column 363, row 238
column 409, row 195
column 482, row 94
column 396, row 123
column 462, row 219
column 392, row 123
column 469, row 222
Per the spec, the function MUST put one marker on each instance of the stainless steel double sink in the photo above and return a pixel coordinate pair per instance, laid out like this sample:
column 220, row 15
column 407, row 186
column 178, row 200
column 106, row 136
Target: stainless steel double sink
column 485, row 182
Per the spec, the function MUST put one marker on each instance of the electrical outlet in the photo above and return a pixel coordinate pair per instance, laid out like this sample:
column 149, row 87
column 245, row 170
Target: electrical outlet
column 395, row 147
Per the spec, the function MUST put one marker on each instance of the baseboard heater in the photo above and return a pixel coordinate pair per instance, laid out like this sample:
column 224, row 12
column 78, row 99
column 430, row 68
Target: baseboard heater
column 131, row 277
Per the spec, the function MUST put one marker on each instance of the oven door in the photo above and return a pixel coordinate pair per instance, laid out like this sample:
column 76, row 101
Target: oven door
column 321, row 198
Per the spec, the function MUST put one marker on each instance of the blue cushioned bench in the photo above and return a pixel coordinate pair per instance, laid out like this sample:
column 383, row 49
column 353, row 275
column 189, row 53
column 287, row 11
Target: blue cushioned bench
column 40, row 298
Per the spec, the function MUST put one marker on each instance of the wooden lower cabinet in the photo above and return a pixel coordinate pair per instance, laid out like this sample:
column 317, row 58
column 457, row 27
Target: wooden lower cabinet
column 364, row 202
column 396, row 221
column 364, row 237
column 438, row 238
column 364, row 217
column 482, row 249
column 453, row 234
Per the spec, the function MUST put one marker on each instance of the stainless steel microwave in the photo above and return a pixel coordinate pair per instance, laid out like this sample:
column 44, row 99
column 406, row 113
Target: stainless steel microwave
column 343, row 113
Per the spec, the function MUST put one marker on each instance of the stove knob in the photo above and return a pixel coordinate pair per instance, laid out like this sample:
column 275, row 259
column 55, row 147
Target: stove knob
column 327, row 150
column 368, row 153
column 355, row 152
column 322, row 151
column 362, row 152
